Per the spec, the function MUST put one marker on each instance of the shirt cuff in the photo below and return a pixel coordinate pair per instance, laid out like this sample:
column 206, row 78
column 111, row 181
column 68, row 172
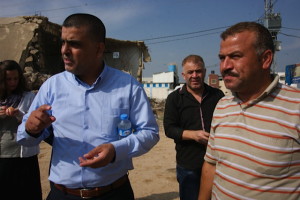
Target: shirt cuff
column 121, row 149
column 33, row 135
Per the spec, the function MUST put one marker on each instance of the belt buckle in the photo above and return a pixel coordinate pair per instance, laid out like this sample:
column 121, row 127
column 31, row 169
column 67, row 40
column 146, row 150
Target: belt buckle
column 82, row 193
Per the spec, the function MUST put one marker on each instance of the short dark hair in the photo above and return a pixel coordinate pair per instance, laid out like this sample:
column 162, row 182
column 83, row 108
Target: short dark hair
column 195, row 59
column 94, row 24
column 10, row 65
column 264, row 40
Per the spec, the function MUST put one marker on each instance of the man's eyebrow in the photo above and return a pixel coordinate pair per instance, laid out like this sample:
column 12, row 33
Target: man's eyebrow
column 229, row 54
column 67, row 40
column 70, row 41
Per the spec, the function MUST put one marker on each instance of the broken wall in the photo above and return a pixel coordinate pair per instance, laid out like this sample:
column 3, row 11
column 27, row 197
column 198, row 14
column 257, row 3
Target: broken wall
column 34, row 42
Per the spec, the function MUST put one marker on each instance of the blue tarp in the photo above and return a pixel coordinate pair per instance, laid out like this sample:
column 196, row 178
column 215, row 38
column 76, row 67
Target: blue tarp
column 292, row 74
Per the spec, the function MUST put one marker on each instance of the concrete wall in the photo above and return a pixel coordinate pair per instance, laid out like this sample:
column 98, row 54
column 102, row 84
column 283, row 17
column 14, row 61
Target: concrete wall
column 157, row 93
column 128, row 56
column 164, row 77
column 34, row 43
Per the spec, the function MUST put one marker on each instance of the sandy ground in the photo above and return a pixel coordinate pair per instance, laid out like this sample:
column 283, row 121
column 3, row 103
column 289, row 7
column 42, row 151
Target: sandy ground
column 153, row 178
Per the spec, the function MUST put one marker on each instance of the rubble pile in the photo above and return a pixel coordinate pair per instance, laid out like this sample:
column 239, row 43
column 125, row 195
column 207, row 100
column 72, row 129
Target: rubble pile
column 158, row 107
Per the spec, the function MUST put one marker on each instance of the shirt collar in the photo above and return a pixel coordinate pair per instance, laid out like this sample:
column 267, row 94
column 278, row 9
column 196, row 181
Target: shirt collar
column 98, row 80
column 267, row 92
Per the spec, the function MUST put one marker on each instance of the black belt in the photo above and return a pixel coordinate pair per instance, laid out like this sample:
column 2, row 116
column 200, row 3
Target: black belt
column 86, row 193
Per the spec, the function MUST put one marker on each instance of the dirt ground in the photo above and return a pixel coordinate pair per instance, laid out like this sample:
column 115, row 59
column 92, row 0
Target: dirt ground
column 154, row 176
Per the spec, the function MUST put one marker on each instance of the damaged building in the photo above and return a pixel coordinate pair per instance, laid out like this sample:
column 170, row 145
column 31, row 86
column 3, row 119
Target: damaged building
column 34, row 42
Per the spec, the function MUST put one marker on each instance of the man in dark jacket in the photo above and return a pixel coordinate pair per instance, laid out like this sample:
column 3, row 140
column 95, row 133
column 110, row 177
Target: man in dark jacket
column 187, row 119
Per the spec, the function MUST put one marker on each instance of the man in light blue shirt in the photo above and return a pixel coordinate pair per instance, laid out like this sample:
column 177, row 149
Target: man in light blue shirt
column 81, row 108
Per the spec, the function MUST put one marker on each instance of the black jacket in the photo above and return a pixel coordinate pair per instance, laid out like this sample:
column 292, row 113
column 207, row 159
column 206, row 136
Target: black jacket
column 184, row 112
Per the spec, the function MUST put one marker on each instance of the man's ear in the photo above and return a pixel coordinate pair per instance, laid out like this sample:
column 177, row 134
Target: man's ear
column 101, row 48
column 182, row 74
column 267, row 59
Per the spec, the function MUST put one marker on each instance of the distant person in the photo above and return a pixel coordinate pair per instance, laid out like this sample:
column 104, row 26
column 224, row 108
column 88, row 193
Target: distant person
column 254, row 145
column 81, row 107
column 187, row 117
column 19, row 167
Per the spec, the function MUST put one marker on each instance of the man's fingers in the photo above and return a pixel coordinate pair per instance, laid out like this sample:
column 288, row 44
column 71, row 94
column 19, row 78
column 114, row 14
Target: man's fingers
column 44, row 108
column 98, row 157
column 39, row 119
column 35, row 125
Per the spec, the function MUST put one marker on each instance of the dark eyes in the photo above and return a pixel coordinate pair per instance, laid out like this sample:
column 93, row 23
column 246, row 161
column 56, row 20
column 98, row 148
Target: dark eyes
column 232, row 56
column 71, row 43
column 194, row 71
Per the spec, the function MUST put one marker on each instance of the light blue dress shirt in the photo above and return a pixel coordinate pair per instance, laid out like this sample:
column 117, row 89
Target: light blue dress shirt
column 86, row 117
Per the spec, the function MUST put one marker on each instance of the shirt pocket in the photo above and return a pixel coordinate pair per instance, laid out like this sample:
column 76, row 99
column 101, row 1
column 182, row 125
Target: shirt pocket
column 111, row 119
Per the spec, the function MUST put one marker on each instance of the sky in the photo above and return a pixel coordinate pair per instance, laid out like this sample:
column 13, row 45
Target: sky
column 173, row 29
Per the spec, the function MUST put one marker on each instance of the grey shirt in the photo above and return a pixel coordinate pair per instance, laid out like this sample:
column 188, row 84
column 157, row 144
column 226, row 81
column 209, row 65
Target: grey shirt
column 9, row 148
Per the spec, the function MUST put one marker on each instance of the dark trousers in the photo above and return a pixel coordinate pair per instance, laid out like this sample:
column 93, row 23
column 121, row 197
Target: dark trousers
column 20, row 178
column 120, row 193
column 189, row 183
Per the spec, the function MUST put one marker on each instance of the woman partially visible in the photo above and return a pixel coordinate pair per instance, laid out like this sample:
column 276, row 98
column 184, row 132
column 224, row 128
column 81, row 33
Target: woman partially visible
column 19, row 167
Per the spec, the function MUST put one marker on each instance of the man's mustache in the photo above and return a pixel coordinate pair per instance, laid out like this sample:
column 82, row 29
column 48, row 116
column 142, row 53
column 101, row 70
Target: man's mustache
column 229, row 73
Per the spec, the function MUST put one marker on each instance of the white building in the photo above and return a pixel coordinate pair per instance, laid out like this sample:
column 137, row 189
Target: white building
column 161, row 84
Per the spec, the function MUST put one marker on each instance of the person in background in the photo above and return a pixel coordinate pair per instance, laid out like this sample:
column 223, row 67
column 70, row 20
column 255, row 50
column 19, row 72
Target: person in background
column 187, row 118
column 254, row 147
column 19, row 167
column 82, row 106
